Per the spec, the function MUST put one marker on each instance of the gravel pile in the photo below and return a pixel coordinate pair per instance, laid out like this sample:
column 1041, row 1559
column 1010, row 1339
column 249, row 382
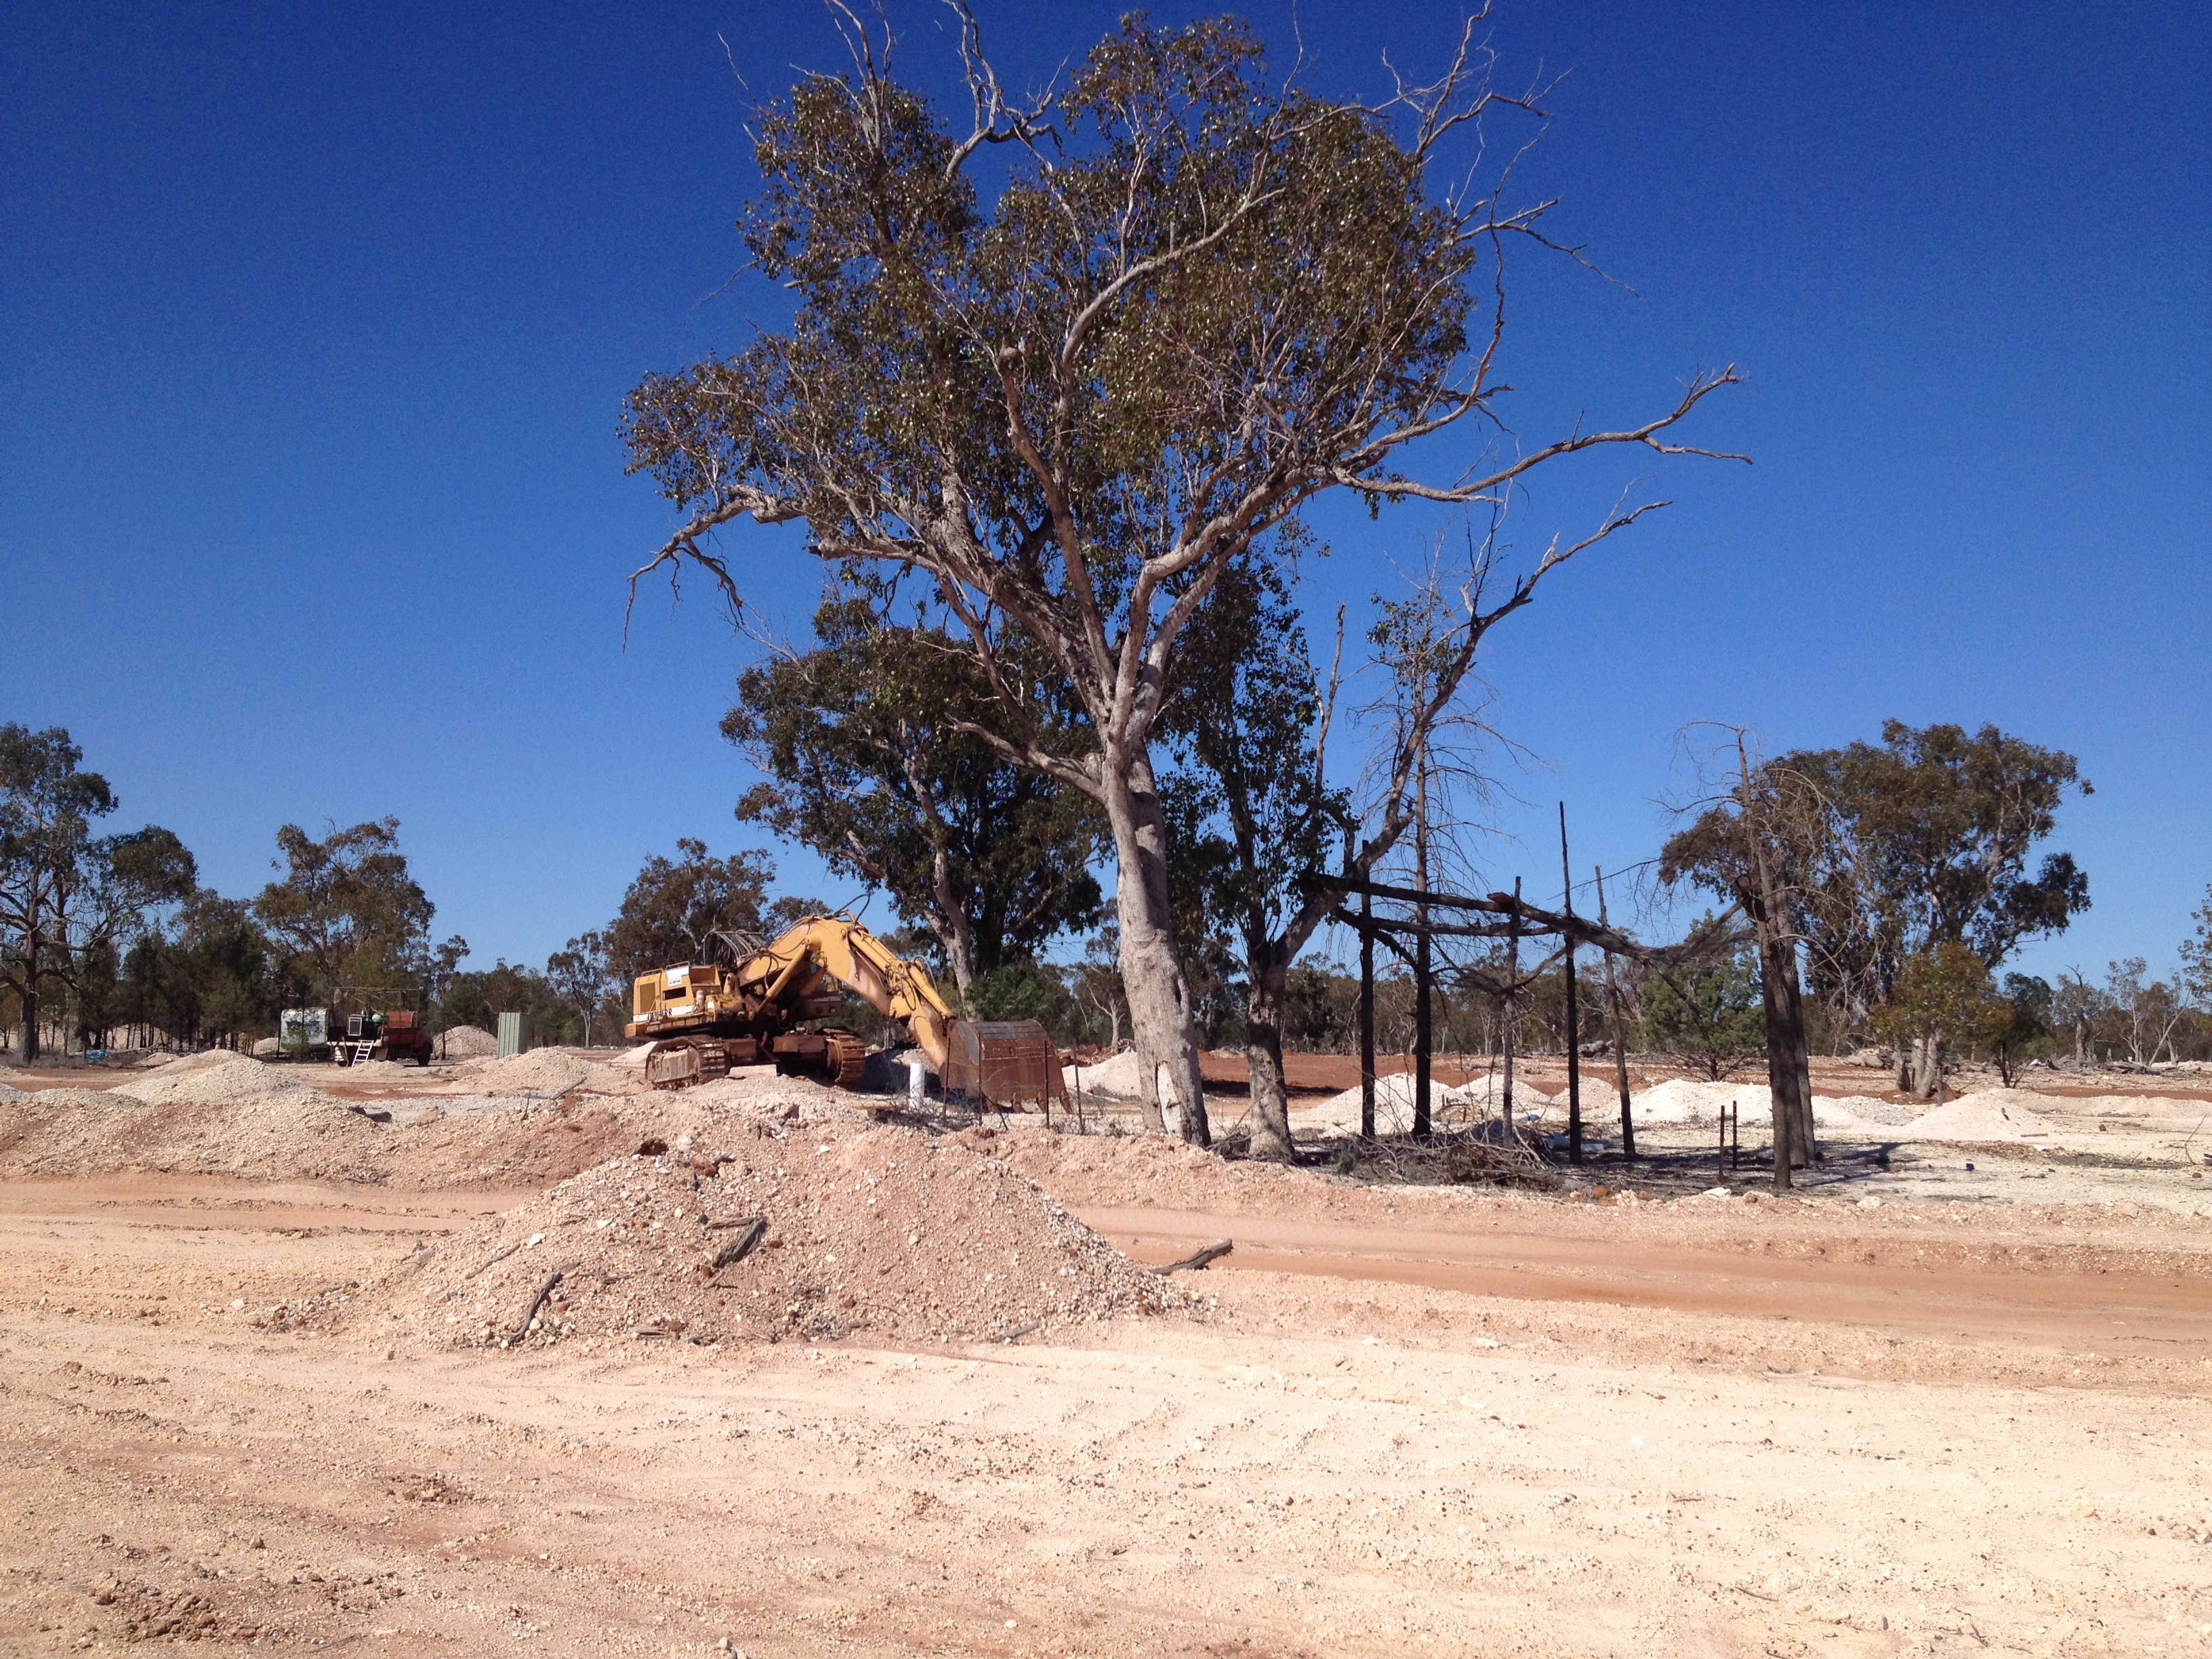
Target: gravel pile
column 1120, row 1075
column 466, row 1042
column 879, row 1232
column 542, row 1071
column 1453, row 1105
column 287, row 1132
column 213, row 1082
column 1991, row 1114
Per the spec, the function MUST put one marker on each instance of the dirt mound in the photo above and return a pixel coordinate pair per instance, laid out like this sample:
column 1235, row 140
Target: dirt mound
column 300, row 1135
column 1684, row 1100
column 466, row 1042
column 1455, row 1107
column 1871, row 1112
column 884, row 1231
column 1119, row 1075
column 285, row 1132
column 759, row 1090
column 182, row 1065
column 542, row 1071
column 1991, row 1114
column 234, row 1076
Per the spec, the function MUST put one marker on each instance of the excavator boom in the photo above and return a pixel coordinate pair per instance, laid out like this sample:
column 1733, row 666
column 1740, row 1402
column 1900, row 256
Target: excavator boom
column 821, row 948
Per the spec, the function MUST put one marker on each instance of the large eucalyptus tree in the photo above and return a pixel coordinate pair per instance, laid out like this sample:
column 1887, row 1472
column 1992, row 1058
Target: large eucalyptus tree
column 1200, row 298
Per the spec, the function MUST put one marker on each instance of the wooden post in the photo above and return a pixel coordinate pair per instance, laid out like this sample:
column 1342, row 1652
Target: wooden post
column 1512, row 985
column 1366, row 1016
column 1620, row 1031
column 1421, row 1032
column 1574, row 1024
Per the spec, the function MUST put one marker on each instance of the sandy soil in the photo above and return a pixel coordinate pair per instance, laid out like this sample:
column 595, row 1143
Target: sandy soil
column 1914, row 1411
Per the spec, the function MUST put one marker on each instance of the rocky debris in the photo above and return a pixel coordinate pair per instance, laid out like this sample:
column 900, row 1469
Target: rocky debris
column 884, row 1232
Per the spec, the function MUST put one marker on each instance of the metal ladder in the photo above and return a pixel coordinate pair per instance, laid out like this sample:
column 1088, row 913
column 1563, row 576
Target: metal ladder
column 360, row 1052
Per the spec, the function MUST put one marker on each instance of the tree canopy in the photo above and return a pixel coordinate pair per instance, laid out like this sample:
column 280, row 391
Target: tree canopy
column 347, row 910
column 861, row 739
column 1939, row 826
column 675, row 909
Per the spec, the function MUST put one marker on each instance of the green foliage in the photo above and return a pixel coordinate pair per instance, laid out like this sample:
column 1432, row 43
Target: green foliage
column 590, row 992
column 1318, row 1018
column 2197, row 956
column 1940, row 826
column 2025, row 1027
column 864, row 741
column 1027, row 990
column 1250, row 811
column 214, row 976
column 1712, row 1018
column 1876, row 854
column 1301, row 269
column 1945, row 997
column 347, row 914
column 675, row 908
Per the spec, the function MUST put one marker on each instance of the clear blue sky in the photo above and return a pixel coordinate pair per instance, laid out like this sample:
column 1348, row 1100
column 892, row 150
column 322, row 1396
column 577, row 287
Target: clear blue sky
column 315, row 322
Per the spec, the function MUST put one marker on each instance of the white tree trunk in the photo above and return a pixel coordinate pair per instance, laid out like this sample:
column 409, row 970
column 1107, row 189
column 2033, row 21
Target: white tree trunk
column 1152, row 969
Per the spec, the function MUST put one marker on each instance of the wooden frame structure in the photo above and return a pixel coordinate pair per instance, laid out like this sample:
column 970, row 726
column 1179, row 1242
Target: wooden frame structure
column 1514, row 919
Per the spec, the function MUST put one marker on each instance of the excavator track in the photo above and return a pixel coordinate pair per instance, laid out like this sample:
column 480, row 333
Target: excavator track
column 847, row 1062
column 681, row 1061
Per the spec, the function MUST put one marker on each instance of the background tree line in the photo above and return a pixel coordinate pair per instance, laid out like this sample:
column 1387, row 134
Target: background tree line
column 109, row 940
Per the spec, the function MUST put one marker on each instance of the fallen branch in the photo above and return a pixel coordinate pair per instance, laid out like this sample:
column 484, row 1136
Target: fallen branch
column 536, row 1302
column 1197, row 1260
column 495, row 1257
column 740, row 1246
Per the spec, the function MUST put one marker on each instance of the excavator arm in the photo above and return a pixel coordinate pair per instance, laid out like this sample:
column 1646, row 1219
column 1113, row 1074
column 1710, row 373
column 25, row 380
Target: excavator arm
column 792, row 970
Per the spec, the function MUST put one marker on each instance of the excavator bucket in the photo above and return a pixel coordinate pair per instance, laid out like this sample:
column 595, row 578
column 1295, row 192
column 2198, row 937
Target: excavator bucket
column 1003, row 1065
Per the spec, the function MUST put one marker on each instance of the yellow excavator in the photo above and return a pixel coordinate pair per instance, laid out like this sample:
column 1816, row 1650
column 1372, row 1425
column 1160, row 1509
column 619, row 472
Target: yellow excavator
column 703, row 1019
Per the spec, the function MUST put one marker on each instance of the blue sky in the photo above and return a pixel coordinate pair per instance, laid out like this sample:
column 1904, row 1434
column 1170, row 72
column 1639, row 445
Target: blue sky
column 315, row 324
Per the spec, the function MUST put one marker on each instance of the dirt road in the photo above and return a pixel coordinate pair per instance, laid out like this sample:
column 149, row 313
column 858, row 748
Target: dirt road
column 1471, row 1427
column 2054, row 1310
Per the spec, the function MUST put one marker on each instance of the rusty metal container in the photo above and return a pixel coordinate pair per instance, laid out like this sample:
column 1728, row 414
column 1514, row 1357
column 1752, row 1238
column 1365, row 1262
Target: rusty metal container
column 1004, row 1065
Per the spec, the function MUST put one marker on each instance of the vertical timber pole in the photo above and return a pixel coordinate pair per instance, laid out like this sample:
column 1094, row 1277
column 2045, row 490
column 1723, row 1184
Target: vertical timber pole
column 1512, row 989
column 1421, row 979
column 1421, row 960
column 1619, row 1032
column 1574, row 1024
column 1366, row 1016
